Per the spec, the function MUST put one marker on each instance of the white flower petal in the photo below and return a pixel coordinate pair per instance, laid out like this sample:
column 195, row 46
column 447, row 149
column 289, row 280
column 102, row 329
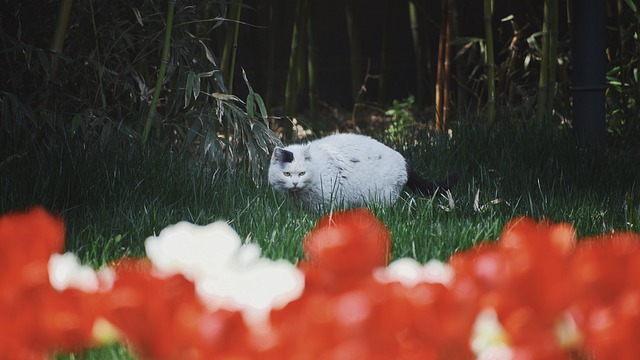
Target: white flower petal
column 192, row 250
column 489, row 340
column 248, row 253
column 65, row 271
column 409, row 272
column 226, row 274
column 257, row 289
column 435, row 271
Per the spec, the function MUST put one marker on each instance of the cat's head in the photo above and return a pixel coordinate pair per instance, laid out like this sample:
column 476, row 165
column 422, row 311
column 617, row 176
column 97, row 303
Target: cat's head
column 290, row 169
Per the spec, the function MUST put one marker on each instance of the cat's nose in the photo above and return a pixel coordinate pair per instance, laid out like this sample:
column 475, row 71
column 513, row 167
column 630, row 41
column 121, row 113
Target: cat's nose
column 295, row 184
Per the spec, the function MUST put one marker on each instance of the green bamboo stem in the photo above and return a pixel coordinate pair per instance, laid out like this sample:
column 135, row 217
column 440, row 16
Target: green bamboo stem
column 302, row 63
column 489, row 61
column 292, row 85
column 384, row 53
column 440, row 70
column 419, row 55
column 553, row 54
column 546, row 83
column 231, row 47
column 543, row 81
column 57, row 42
column 462, row 96
column 353, row 32
column 312, row 62
column 447, row 71
column 273, row 30
column 161, row 72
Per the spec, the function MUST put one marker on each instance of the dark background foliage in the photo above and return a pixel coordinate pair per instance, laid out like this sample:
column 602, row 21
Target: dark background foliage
column 318, row 61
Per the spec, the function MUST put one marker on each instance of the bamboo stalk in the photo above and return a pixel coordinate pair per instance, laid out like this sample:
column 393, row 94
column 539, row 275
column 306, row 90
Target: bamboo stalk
column 553, row 54
column 419, row 56
column 230, row 51
column 489, row 61
column 546, row 83
column 440, row 73
column 462, row 97
column 57, row 42
column 292, row 85
column 447, row 71
column 312, row 62
column 543, row 81
column 357, row 74
column 161, row 72
column 274, row 21
column 302, row 61
column 384, row 53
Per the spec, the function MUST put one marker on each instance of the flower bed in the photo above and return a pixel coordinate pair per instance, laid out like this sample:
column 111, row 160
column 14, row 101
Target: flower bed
column 536, row 293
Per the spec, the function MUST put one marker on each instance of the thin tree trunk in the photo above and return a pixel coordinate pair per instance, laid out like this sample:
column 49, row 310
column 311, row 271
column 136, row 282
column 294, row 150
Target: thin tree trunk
column 489, row 61
column 161, row 72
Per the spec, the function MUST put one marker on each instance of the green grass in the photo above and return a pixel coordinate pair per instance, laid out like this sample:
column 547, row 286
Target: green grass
column 113, row 197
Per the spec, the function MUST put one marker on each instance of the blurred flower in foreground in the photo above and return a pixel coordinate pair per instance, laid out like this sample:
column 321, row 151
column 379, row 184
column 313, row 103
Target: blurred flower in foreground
column 344, row 247
column 536, row 293
column 354, row 307
column 410, row 272
column 35, row 317
column 226, row 273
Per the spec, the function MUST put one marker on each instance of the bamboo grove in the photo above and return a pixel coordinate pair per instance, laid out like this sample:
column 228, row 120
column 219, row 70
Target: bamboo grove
column 185, row 72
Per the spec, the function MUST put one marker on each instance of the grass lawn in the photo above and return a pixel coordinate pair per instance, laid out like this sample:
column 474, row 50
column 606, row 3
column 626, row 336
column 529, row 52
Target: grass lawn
column 113, row 197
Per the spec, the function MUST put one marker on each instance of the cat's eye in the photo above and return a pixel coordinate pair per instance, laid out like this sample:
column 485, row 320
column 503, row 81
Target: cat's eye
column 301, row 174
column 286, row 173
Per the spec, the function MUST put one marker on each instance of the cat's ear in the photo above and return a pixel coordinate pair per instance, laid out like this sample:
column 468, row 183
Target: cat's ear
column 281, row 155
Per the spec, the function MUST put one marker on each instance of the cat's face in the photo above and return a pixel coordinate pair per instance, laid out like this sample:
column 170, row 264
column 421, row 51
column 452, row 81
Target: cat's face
column 290, row 169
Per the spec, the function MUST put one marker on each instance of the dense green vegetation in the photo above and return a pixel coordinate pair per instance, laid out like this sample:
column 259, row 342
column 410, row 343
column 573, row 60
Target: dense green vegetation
column 113, row 197
column 135, row 116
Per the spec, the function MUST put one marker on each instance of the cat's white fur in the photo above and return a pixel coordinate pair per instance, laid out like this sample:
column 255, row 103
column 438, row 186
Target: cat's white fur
column 339, row 170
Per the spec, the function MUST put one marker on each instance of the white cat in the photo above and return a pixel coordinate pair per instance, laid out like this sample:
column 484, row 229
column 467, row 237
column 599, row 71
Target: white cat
column 345, row 170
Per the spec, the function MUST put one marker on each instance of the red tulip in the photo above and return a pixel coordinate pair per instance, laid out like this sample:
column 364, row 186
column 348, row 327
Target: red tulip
column 345, row 246
column 35, row 318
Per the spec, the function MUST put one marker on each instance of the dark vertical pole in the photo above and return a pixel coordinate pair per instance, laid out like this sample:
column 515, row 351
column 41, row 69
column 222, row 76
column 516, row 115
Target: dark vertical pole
column 589, row 68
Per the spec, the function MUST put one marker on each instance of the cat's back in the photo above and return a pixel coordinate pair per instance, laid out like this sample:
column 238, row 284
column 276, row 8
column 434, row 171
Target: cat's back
column 364, row 158
column 354, row 146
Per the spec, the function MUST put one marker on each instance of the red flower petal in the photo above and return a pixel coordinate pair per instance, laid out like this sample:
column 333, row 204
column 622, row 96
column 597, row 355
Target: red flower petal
column 348, row 244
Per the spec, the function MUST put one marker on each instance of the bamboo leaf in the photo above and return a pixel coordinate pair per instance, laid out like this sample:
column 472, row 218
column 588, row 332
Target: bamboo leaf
column 632, row 5
column 196, row 85
column 76, row 121
column 188, row 87
column 244, row 76
column 251, row 105
column 261, row 106
column 225, row 97
column 208, row 54
column 136, row 12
